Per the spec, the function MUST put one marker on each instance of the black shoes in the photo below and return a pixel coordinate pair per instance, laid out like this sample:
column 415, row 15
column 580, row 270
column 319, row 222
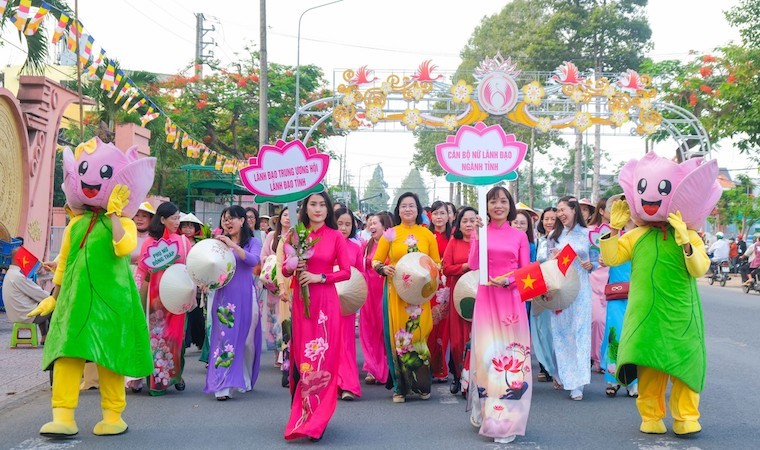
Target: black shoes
column 456, row 385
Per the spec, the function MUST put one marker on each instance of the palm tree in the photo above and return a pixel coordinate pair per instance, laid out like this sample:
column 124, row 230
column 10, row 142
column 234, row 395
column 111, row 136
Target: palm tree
column 36, row 44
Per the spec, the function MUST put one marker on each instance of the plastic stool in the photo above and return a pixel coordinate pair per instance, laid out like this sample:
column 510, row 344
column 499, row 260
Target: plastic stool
column 16, row 339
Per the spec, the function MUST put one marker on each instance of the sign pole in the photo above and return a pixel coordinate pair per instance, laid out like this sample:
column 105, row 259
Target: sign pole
column 483, row 235
column 293, row 213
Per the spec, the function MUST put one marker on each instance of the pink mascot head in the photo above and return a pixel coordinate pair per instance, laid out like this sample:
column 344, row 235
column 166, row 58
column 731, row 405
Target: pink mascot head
column 655, row 187
column 91, row 172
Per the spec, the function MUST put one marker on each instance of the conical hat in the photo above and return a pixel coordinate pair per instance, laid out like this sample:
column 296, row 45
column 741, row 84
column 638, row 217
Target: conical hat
column 563, row 289
column 352, row 292
column 211, row 263
column 416, row 278
column 464, row 294
column 177, row 290
column 268, row 275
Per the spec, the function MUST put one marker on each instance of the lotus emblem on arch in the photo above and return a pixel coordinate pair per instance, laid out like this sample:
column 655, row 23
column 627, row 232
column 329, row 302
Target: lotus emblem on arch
column 497, row 93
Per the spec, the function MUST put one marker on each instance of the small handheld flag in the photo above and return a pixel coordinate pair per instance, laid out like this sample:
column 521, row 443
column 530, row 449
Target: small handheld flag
column 26, row 261
column 565, row 258
column 529, row 281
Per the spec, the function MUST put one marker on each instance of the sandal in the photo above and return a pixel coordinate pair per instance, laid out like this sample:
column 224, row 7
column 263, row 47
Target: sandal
column 542, row 377
column 369, row 379
column 223, row 398
column 399, row 398
column 612, row 390
column 633, row 393
column 556, row 385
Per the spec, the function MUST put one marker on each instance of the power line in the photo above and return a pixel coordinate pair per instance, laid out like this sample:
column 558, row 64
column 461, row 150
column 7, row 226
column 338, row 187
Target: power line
column 170, row 14
column 162, row 25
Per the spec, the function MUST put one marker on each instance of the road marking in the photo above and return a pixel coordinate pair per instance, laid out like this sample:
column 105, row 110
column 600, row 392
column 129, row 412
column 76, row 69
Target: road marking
column 726, row 340
column 662, row 443
column 39, row 443
column 445, row 397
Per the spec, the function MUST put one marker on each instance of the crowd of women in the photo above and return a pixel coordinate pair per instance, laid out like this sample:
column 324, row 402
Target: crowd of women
column 405, row 347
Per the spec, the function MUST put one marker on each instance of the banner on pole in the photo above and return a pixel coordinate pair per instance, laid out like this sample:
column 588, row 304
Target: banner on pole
column 285, row 172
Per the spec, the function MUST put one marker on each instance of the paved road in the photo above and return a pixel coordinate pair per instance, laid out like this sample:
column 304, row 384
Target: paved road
column 189, row 420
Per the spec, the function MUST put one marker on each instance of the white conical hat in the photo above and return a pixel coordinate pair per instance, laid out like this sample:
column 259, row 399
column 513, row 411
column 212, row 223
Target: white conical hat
column 211, row 263
column 416, row 278
column 352, row 292
column 189, row 217
column 177, row 290
column 563, row 289
column 465, row 292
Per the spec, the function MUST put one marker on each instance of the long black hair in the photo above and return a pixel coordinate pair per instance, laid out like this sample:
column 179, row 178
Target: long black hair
column 540, row 225
column 572, row 202
column 237, row 212
column 156, row 228
column 397, row 216
column 303, row 215
column 458, row 221
column 435, row 207
column 277, row 229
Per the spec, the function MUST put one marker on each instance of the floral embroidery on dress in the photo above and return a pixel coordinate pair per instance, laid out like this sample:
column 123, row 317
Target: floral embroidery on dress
column 314, row 379
column 163, row 358
column 226, row 315
column 512, row 364
column 411, row 244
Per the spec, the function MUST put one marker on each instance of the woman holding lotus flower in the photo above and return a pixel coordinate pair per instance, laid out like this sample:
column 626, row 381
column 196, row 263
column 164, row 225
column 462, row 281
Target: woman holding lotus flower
column 313, row 250
column 408, row 325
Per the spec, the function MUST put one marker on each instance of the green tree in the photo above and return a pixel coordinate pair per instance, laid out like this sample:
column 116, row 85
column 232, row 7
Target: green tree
column 338, row 194
column 375, row 192
column 739, row 206
column 413, row 183
column 222, row 109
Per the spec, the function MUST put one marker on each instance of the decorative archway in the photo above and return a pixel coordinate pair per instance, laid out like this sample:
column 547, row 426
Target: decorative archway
column 565, row 101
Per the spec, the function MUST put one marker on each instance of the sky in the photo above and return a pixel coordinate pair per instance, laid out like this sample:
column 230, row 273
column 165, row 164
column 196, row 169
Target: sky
column 159, row 36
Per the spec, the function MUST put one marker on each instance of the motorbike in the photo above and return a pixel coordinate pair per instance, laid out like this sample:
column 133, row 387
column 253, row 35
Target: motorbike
column 719, row 272
column 753, row 286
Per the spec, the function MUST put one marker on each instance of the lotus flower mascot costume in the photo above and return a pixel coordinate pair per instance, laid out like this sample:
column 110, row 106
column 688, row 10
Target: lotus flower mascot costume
column 663, row 332
column 97, row 307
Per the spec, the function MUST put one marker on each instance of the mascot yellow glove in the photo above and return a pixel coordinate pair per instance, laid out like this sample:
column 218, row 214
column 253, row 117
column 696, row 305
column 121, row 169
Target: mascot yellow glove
column 118, row 200
column 620, row 214
column 679, row 228
column 46, row 306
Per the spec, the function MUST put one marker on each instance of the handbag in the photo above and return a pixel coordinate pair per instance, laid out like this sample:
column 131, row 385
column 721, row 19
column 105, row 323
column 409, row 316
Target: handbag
column 616, row 291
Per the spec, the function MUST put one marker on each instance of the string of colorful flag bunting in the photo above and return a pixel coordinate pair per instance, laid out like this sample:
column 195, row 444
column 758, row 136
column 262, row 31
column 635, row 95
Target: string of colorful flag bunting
column 28, row 18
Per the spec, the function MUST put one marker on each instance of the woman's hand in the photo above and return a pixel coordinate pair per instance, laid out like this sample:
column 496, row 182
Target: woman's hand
column 478, row 222
column 587, row 265
column 465, row 268
column 501, row 281
column 601, row 263
column 227, row 241
column 283, row 295
column 389, row 270
column 308, row 278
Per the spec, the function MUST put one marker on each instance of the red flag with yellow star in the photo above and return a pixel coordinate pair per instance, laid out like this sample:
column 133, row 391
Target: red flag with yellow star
column 529, row 281
column 26, row 261
column 566, row 257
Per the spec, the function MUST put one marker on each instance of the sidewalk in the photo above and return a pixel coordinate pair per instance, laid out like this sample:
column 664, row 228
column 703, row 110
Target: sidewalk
column 21, row 371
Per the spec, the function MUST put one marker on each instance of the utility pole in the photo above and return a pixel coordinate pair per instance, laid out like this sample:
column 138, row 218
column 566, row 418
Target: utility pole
column 263, row 82
column 200, row 44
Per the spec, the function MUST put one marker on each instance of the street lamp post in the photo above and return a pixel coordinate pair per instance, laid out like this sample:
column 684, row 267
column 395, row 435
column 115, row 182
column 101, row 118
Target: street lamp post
column 359, row 186
column 298, row 65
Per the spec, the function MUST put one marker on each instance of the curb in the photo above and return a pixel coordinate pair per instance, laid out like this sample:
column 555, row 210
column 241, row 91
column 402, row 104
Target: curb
column 20, row 398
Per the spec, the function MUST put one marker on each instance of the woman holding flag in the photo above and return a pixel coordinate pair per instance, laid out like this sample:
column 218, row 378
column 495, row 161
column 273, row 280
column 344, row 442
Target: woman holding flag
column 500, row 387
column 571, row 327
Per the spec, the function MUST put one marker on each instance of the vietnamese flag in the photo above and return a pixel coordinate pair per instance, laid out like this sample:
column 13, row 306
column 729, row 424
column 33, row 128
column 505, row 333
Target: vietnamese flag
column 26, row 261
column 529, row 281
column 565, row 258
